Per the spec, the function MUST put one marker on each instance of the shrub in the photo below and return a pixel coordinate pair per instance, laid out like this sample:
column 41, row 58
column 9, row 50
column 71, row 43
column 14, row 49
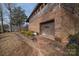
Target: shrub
column 27, row 33
column 72, row 50
column 73, row 45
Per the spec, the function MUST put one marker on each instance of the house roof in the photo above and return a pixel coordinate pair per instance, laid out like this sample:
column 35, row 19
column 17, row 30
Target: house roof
column 37, row 6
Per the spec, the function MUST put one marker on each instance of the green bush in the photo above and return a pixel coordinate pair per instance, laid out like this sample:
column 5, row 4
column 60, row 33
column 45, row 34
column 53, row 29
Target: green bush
column 73, row 48
column 27, row 33
column 75, row 36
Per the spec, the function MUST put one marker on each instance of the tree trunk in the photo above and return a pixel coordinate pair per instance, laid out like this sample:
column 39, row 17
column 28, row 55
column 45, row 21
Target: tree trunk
column 10, row 20
column 9, row 8
column 2, row 26
column 19, row 27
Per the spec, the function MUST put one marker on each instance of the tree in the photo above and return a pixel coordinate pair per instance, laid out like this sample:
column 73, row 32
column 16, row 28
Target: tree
column 18, row 16
column 10, row 6
column 0, row 28
column 1, row 17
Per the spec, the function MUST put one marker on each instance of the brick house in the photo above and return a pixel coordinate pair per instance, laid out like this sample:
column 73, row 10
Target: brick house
column 55, row 20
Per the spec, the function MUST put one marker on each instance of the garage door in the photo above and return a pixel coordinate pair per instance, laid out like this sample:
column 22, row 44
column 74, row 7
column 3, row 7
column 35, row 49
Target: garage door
column 47, row 28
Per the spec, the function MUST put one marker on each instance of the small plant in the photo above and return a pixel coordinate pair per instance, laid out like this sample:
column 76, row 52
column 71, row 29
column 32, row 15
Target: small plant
column 27, row 33
column 73, row 45
column 72, row 50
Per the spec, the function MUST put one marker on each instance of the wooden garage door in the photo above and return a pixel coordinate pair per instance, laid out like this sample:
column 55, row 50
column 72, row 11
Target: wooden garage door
column 47, row 28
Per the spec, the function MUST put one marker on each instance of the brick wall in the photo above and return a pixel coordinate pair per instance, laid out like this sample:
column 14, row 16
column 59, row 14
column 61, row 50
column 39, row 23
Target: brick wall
column 66, row 23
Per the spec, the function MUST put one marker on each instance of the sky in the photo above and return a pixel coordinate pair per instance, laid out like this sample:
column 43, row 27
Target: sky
column 28, row 7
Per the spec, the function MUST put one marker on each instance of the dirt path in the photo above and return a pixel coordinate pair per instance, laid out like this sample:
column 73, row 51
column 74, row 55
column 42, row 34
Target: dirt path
column 14, row 44
column 30, row 43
